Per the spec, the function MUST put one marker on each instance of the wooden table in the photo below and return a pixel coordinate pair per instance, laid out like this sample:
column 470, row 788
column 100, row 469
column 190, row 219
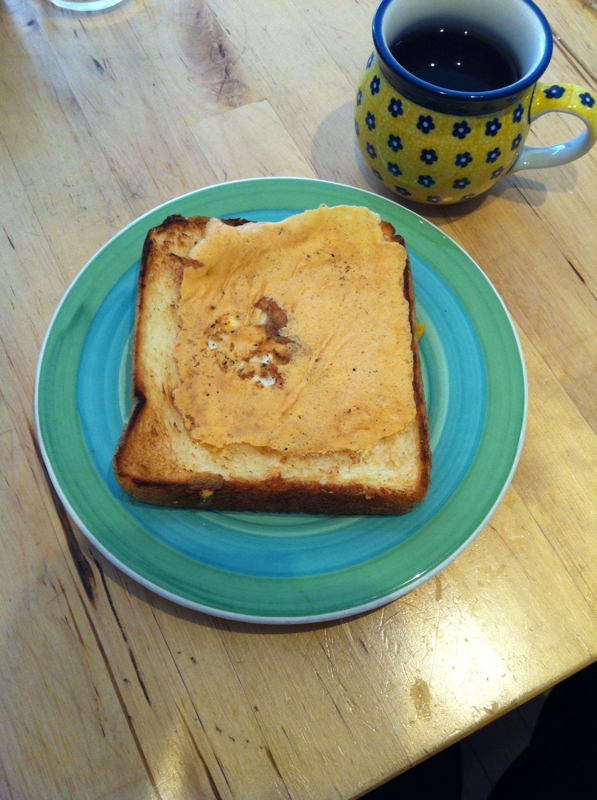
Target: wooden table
column 108, row 691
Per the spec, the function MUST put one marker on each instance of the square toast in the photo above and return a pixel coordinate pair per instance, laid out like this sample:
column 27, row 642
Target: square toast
column 276, row 368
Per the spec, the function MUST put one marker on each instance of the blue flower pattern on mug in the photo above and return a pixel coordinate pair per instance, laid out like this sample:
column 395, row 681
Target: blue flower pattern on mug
column 394, row 143
column 492, row 127
column 426, row 181
column 554, row 92
column 428, row 156
column 425, row 124
column 461, row 129
column 395, row 108
column 463, row 159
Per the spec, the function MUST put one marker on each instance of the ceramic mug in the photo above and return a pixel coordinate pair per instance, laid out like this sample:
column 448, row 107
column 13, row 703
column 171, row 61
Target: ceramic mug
column 436, row 145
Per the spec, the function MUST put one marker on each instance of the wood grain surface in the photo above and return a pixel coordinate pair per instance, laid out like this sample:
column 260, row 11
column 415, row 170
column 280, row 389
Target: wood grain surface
column 109, row 691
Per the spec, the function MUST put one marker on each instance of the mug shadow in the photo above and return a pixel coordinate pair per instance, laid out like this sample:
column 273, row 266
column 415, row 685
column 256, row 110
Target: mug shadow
column 336, row 157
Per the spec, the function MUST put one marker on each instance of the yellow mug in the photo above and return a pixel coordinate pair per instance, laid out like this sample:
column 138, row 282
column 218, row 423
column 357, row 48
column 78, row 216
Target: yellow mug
column 438, row 145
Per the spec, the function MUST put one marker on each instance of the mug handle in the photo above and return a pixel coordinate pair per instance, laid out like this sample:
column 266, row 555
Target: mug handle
column 569, row 99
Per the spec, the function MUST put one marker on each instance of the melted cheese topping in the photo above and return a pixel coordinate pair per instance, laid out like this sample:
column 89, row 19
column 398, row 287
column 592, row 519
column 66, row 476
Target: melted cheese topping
column 295, row 335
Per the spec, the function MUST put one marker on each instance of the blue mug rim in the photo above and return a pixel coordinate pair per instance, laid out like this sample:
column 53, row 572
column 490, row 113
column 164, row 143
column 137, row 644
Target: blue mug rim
column 495, row 95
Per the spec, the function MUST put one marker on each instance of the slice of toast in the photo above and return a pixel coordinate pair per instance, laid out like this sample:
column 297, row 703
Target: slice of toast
column 169, row 454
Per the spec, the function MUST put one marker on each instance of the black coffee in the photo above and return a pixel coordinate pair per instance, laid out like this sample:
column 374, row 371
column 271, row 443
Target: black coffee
column 455, row 58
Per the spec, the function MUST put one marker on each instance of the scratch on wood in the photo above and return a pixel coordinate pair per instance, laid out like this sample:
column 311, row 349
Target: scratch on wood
column 123, row 707
column 9, row 239
column 344, row 722
column 581, row 279
column 6, row 350
column 527, row 201
column 577, row 273
column 364, row 646
column 109, row 596
column 81, row 564
column 138, row 674
column 212, row 783
column 272, row 761
column 78, row 632
column 181, row 676
column 221, row 766
column 97, row 700
column 98, row 65
column 122, row 631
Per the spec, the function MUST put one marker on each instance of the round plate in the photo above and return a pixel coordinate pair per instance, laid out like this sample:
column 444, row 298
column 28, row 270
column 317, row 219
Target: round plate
column 282, row 568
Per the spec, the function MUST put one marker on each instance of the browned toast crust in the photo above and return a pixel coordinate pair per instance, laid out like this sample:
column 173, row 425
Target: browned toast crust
column 143, row 444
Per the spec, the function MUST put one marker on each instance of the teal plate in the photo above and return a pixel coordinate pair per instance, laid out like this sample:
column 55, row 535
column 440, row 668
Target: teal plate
column 279, row 568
